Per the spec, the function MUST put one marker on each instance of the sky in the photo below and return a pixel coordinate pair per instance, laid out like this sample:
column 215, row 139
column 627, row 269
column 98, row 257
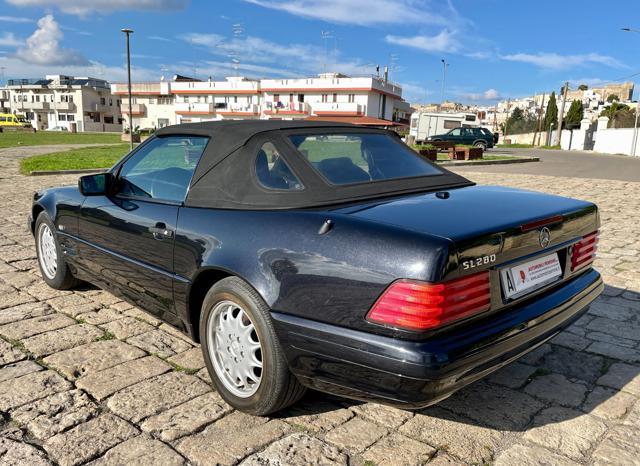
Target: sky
column 495, row 49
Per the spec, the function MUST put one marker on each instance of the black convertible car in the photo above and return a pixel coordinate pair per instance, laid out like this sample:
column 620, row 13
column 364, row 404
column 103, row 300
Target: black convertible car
column 323, row 255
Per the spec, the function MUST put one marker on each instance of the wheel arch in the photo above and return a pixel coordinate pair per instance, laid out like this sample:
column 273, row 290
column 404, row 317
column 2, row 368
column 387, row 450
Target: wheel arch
column 204, row 280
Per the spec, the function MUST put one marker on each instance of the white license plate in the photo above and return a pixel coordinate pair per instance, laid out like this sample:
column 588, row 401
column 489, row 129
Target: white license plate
column 531, row 275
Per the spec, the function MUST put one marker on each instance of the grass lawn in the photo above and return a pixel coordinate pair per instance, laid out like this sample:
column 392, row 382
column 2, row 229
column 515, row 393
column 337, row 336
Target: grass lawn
column 42, row 138
column 76, row 159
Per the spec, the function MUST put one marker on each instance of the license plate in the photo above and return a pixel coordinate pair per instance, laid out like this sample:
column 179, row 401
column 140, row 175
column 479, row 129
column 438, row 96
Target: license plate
column 531, row 275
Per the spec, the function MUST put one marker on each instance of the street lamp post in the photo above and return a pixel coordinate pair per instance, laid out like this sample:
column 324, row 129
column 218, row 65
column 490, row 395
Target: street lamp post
column 127, row 32
column 635, row 125
column 444, row 78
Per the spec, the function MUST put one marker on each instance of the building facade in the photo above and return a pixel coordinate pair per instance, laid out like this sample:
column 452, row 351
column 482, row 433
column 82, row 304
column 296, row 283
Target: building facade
column 73, row 103
column 330, row 95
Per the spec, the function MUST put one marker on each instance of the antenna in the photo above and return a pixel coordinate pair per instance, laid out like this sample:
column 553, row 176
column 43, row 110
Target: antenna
column 234, row 53
column 393, row 64
column 326, row 35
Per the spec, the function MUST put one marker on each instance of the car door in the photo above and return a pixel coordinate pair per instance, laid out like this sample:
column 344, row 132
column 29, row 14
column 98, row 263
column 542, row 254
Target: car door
column 127, row 236
column 467, row 136
column 455, row 135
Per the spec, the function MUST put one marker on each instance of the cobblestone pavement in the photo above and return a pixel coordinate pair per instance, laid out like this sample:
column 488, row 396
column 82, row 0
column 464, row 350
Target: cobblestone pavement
column 85, row 377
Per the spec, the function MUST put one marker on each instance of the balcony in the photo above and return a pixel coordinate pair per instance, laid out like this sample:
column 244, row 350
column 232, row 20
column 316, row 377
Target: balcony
column 136, row 109
column 198, row 108
column 32, row 106
column 137, row 89
column 104, row 108
column 239, row 110
column 65, row 106
column 338, row 109
column 287, row 108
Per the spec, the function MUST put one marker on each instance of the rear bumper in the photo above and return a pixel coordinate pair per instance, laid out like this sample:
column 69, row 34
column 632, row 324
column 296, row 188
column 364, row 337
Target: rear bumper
column 416, row 374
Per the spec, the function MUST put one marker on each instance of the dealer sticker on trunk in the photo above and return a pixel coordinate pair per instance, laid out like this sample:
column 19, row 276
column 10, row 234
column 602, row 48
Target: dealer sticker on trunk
column 528, row 276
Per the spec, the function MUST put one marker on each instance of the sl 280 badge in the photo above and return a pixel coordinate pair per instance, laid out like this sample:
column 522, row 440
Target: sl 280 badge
column 473, row 263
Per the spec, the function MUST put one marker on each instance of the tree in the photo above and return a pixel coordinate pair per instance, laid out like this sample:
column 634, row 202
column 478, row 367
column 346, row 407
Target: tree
column 583, row 87
column 575, row 115
column 613, row 98
column 551, row 115
column 519, row 122
column 620, row 115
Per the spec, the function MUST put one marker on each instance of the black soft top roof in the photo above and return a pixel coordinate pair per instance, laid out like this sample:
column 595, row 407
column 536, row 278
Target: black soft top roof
column 225, row 176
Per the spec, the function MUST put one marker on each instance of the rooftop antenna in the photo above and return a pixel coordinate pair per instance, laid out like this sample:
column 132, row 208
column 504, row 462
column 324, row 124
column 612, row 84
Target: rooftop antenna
column 326, row 35
column 393, row 62
column 238, row 31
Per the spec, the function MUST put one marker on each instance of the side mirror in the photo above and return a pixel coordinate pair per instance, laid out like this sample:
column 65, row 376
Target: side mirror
column 95, row 185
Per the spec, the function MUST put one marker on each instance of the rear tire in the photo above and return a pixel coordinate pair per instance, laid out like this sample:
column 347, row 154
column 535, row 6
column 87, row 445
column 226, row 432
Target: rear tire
column 241, row 350
column 480, row 144
column 51, row 262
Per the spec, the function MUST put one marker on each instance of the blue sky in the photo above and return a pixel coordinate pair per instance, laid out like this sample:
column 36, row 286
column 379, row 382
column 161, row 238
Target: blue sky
column 496, row 48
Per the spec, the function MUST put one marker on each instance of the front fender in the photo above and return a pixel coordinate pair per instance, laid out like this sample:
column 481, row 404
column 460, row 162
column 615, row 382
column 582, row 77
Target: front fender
column 62, row 205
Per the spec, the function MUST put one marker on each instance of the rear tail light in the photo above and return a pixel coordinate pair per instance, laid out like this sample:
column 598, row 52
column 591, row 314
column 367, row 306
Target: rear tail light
column 415, row 305
column 584, row 251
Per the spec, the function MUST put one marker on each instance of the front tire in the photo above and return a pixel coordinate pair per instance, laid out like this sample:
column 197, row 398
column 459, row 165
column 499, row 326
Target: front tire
column 241, row 350
column 53, row 268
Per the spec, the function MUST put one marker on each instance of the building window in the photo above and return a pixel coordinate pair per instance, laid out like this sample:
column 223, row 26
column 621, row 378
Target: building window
column 103, row 101
column 62, row 117
column 324, row 98
column 300, row 97
column 276, row 97
column 152, row 101
column 110, row 102
column 352, row 98
column 335, row 97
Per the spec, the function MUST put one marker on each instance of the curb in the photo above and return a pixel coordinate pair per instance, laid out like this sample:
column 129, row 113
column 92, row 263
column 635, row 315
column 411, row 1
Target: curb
column 67, row 172
column 459, row 163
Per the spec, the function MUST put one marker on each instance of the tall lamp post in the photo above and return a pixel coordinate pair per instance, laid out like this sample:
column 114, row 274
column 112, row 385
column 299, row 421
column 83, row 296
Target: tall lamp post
column 635, row 126
column 444, row 78
column 127, row 32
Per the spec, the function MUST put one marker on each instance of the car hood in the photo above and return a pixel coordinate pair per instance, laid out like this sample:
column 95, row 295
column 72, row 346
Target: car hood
column 468, row 212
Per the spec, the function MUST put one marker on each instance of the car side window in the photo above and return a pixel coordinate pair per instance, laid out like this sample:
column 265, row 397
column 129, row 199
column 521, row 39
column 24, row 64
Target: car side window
column 455, row 132
column 162, row 168
column 273, row 172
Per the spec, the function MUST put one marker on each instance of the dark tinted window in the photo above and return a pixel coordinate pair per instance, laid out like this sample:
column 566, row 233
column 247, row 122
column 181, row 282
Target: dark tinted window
column 360, row 158
column 162, row 168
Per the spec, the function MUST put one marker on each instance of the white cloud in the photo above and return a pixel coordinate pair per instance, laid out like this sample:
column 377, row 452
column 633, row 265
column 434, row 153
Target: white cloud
column 555, row 61
column 362, row 12
column 9, row 40
column 160, row 38
column 15, row 19
column 43, row 47
column 444, row 42
column 84, row 7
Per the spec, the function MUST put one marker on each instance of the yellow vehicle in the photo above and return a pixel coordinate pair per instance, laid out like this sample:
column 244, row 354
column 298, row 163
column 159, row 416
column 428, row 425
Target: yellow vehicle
column 8, row 119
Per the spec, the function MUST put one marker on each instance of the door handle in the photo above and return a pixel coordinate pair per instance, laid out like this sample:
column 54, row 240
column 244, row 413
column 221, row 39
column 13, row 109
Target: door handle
column 160, row 231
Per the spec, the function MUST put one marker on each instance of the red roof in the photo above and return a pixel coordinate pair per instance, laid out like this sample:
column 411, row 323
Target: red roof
column 362, row 120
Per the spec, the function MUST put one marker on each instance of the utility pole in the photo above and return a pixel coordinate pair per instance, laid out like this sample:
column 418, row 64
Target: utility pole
column 127, row 32
column 635, row 126
column 539, row 129
column 561, row 114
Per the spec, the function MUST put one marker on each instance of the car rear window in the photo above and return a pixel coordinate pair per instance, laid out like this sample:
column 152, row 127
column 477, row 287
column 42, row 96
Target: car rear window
column 351, row 158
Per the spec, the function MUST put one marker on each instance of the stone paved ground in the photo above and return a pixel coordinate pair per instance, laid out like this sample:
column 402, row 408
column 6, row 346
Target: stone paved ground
column 85, row 377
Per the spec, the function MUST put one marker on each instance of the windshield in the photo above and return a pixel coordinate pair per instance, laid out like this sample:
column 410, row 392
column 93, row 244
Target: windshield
column 361, row 157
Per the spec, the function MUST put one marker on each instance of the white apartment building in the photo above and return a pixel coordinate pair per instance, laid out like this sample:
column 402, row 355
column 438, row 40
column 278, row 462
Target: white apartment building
column 74, row 103
column 365, row 100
